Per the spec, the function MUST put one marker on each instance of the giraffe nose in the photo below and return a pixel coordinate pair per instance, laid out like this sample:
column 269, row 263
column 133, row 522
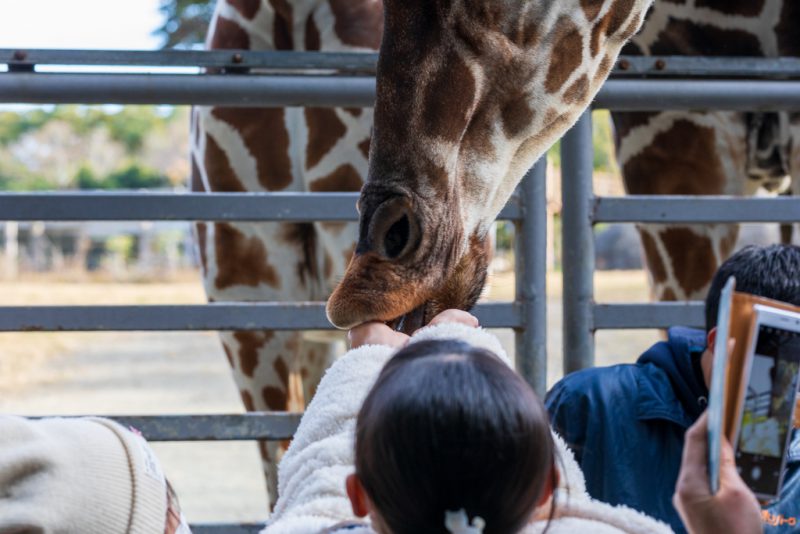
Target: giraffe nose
column 393, row 230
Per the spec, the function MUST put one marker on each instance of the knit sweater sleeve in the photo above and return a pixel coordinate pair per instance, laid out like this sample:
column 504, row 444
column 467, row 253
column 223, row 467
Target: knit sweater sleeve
column 312, row 473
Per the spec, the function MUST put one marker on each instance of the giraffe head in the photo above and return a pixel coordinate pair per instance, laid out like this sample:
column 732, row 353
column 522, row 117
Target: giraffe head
column 470, row 93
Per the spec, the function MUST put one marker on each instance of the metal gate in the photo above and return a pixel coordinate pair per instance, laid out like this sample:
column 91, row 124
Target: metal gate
column 314, row 79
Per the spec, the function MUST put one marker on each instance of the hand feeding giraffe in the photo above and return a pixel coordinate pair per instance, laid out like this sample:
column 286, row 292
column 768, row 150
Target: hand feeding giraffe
column 288, row 150
column 707, row 153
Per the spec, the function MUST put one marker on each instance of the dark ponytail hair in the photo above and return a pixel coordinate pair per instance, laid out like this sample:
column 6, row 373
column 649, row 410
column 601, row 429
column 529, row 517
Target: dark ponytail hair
column 448, row 426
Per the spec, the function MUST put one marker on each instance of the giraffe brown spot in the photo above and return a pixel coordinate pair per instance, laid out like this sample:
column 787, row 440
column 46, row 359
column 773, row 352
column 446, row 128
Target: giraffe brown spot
column 324, row 131
column 218, row 169
column 476, row 139
column 303, row 237
column 249, row 345
column 446, row 112
column 683, row 37
column 786, row 30
column 672, row 163
column 567, row 54
column 229, row 35
column 247, row 400
column 591, row 8
column 358, row 23
column 281, row 370
column 618, row 14
column 197, row 176
column 248, row 8
column 313, row 40
column 744, row 8
column 363, row 146
column 343, row 178
column 603, row 70
column 654, row 262
column 630, row 31
column 327, row 268
column 527, row 33
column 264, row 451
column 202, row 238
column 355, row 112
column 271, row 151
column 668, row 295
column 517, row 115
column 692, row 257
column 241, row 260
column 274, row 398
column 282, row 25
column 578, row 91
column 599, row 31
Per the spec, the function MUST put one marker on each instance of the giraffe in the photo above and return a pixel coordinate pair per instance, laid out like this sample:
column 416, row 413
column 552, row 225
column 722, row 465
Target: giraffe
column 287, row 150
column 470, row 94
column 690, row 153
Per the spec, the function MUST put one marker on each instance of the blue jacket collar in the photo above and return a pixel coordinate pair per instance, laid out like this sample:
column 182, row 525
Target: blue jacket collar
column 667, row 386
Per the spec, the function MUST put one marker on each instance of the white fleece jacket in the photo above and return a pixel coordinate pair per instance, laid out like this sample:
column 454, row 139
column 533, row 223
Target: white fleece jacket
column 311, row 477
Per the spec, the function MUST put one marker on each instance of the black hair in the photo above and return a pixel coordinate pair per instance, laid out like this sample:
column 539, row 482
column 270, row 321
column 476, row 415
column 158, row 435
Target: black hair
column 772, row 272
column 448, row 426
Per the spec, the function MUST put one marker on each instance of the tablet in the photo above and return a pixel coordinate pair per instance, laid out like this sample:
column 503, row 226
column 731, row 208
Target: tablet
column 769, row 403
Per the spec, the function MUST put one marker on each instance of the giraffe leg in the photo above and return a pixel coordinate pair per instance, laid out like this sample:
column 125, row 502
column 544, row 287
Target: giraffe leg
column 266, row 370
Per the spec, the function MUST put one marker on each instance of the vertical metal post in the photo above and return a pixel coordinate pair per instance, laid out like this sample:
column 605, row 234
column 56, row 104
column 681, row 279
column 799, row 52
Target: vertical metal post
column 531, row 272
column 577, row 240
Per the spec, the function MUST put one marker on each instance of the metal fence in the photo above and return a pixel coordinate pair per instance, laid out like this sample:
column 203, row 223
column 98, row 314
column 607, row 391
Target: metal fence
column 314, row 79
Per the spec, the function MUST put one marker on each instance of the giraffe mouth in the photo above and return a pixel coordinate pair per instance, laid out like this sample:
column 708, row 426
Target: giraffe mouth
column 410, row 322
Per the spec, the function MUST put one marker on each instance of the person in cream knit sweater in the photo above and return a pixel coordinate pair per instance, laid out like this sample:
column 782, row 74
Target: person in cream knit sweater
column 318, row 492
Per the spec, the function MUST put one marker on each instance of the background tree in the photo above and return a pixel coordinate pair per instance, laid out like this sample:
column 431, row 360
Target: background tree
column 185, row 22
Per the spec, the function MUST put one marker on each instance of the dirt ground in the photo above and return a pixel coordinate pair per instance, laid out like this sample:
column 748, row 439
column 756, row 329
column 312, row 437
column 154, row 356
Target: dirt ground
column 152, row 373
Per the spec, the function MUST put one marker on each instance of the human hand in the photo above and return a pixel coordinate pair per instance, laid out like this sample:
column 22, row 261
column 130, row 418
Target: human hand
column 733, row 510
column 455, row 316
column 376, row 333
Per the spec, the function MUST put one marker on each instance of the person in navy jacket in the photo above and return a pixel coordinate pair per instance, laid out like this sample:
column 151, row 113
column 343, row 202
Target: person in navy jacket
column 626, row 423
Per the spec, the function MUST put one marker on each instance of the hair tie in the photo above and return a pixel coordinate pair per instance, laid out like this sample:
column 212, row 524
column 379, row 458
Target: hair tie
column 458, row 523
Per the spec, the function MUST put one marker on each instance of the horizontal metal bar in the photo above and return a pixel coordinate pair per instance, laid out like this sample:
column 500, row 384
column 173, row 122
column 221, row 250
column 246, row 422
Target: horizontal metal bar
column 280, row 91
column 697, row 209
column 638, row 316
column 729, row 95
column 221, row 528
column 706, row 67
column 351, row 62
column 268, row 426
column 253, row 207
column 185, row 89
column 684, row 66
column 215, row 316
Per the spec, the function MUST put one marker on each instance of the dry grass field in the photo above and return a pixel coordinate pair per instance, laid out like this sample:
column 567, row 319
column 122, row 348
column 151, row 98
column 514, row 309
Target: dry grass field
column 149, row 373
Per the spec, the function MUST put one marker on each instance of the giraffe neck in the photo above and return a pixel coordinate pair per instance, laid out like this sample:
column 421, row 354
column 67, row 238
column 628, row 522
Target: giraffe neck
column 469, row 95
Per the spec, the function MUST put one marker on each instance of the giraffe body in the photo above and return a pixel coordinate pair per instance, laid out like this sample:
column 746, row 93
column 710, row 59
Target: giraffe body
column 286, row 150
column 713, row 153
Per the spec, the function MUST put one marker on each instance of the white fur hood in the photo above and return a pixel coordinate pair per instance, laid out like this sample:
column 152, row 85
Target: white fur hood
column 311, row 476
